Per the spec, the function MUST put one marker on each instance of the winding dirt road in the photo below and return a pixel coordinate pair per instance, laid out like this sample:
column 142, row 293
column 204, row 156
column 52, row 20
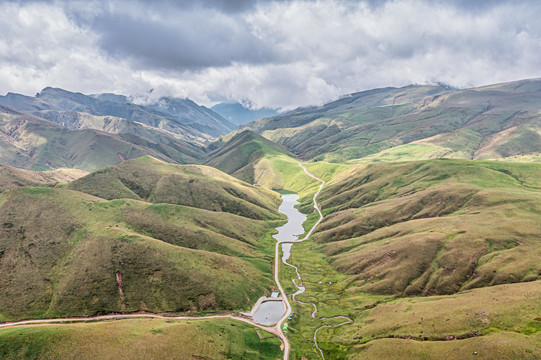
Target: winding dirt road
column 133, row 316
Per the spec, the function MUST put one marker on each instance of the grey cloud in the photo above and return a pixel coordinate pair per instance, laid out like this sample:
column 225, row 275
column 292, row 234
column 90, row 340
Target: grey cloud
column 176, row 36
column 189, row 44
column 271, row 53
column 229, row 6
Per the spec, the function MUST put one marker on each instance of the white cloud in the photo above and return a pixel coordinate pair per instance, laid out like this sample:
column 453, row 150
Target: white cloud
column 274, row 54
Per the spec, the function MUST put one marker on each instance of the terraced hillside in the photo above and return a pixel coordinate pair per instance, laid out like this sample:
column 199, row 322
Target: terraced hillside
column 422, row 252
column 64, row 252
column 415, row 122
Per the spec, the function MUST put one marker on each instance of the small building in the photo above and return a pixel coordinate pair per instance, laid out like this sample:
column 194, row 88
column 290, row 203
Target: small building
column 274, row 294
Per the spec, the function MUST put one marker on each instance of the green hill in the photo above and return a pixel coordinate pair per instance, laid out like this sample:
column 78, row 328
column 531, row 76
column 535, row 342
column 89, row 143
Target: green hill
column 434, row 227
column 141, row 339
column 421, row 252
column 256, row 160
column 64, row 252
column 415, row 122
column 204, row 187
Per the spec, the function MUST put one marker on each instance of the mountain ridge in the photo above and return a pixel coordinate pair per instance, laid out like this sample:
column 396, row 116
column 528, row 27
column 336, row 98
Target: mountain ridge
column 416, row 121
column 182, row 116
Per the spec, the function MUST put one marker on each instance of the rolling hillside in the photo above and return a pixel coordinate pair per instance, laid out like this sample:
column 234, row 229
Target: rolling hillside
column 141, row 339
column 64, row 252
column 254, row 159
column 33, row 143
column 437, row 258
column 151, row 180
column 11, row 177
column 415, row 122
column 476, row 224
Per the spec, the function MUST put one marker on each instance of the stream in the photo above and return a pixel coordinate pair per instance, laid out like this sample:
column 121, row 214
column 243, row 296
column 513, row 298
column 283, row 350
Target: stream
column 270, row 311
column 275, row 312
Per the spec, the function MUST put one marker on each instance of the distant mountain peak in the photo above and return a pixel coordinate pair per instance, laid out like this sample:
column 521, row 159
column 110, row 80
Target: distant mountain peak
column 241, row 113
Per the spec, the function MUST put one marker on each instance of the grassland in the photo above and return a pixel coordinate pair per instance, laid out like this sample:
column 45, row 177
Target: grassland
column 140, row 339
column 64, row 252
column 155, row 181
column 11, row 177
column 431, row 259
column 413, row 123
column 476, row 224
column 254, row 159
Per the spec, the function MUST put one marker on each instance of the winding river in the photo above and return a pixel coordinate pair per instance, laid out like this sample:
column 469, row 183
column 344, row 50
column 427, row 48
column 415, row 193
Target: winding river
column 293, row 229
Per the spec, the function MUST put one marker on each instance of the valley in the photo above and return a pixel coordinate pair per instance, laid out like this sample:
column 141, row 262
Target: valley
column 268, row 180
column 292, row 229
column 407, row 246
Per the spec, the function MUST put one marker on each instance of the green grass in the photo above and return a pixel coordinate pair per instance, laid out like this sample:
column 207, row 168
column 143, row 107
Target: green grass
column 61, row 250
column 413, row 123
column 435, row 226
column 325, row 170
column 504, row 345
column 151, row 180
column 140, row 339
column 421, row 251
column 256, row 160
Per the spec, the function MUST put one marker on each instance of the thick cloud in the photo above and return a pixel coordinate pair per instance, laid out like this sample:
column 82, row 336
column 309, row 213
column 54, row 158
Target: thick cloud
column 276, row 54
column 184, row 41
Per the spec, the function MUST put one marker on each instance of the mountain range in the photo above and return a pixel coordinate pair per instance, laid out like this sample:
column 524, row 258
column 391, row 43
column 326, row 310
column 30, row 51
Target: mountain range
column 428, row 242
column 179, row 116
column 415, row 122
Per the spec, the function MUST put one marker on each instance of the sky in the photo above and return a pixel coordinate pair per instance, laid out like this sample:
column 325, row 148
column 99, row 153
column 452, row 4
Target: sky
column 277, row 54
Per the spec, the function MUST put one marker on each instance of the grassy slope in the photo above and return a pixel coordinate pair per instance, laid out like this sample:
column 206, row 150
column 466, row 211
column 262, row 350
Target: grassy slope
column 414, row 122
column 199, row 186
column 396, row 233
column 254, row 159
column 60, row 249
column 140, row 339
column 11, row 177
column 462, row 216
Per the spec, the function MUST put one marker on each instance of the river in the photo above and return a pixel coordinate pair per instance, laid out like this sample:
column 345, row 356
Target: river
column 269, row 312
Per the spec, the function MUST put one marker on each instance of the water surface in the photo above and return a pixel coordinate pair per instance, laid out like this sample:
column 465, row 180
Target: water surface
column 269, row 312
column 293, row 228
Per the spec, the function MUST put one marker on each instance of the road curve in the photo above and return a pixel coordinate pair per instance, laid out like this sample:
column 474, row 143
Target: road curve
column 133, row 316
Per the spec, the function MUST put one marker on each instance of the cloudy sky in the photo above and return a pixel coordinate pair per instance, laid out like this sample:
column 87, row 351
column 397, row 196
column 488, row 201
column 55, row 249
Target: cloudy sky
column 280, row 54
